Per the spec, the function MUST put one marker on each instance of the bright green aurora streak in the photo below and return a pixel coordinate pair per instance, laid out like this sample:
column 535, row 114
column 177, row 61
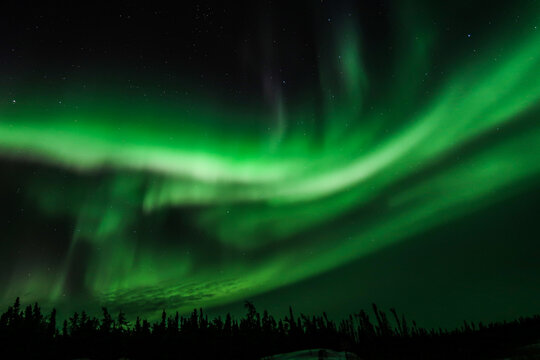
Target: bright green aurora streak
column 263, row 193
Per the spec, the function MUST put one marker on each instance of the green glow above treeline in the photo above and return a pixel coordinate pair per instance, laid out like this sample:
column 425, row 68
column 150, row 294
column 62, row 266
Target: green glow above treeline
column 280, row 204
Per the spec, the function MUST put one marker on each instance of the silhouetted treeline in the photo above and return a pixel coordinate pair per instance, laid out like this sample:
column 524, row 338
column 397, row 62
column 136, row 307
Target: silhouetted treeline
column 376, row 335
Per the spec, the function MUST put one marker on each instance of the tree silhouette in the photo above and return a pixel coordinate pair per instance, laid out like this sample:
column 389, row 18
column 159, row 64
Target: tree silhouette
column 32, row 334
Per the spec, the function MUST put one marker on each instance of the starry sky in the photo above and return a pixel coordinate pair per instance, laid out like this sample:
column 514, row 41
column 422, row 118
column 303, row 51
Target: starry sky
column 320, row 154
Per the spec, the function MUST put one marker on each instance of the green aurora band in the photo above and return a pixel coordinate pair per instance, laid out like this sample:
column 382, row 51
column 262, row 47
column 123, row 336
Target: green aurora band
column 261, row 186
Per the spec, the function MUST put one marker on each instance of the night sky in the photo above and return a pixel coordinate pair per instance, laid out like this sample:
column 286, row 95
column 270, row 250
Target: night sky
column 319, row 154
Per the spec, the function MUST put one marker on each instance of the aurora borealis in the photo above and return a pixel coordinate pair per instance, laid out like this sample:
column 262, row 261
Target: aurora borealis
column 160, row 186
